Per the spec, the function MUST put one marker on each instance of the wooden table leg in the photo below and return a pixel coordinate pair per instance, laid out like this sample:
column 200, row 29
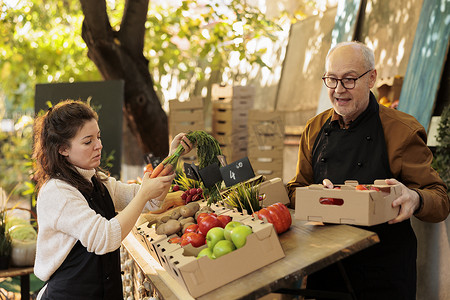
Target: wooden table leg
column 25, row 287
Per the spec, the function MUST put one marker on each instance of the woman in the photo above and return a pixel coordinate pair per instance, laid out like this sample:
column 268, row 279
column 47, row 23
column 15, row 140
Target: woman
column 79, row 231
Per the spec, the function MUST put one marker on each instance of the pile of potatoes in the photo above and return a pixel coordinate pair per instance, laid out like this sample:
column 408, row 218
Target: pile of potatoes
column 180, row 218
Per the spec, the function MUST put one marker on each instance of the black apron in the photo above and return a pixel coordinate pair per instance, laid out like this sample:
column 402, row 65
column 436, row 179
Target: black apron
column 86, row 275
column 386, row 270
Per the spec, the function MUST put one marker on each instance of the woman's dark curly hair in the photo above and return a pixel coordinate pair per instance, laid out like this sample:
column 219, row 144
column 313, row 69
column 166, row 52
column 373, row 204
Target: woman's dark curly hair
column 52, row 132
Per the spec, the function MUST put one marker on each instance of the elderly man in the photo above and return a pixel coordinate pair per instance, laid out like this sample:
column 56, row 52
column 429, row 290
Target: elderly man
column 362, row 140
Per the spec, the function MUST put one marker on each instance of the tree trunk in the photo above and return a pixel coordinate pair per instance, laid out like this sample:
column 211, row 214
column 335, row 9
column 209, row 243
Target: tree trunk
column 119, row 55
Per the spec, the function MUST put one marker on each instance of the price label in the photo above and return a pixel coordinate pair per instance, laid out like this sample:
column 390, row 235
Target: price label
column 238, row 171
column 191, row 171
column 210, row 175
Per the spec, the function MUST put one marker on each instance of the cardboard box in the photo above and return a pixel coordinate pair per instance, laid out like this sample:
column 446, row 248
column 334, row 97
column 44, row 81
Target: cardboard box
column 365, row 208
column 390, row 87
column 200, row 276
column 273, row 191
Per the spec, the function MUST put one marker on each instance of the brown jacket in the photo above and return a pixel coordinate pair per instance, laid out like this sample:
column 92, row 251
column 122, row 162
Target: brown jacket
column 409, row 159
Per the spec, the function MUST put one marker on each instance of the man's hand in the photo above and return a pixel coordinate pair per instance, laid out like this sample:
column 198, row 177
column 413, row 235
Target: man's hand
column 408, row 201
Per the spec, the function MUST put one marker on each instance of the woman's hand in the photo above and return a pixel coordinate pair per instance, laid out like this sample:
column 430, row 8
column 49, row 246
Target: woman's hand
column 183, row 140
column 152, row 188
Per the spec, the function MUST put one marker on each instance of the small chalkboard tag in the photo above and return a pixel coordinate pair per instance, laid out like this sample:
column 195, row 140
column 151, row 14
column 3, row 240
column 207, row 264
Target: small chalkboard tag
column 210, row 175
column 191, row 171
column 238, row 171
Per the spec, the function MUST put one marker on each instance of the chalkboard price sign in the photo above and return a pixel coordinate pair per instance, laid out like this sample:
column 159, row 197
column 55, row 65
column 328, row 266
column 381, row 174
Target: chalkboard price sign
column 191, row 171
column 238, row 171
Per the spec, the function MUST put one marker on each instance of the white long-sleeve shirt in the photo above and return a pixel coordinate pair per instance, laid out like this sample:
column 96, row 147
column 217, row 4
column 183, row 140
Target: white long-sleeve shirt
column 64, row 217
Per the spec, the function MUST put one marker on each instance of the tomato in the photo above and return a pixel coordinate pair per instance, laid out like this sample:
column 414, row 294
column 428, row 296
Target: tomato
column 175, row 240
column 361, row 187
column 193, row 238
column 331, row 201
column 286, row 214
column 374, row 188
column 278, row 215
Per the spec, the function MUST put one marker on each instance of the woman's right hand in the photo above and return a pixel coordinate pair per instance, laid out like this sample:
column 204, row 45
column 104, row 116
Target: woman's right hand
column 152, row 188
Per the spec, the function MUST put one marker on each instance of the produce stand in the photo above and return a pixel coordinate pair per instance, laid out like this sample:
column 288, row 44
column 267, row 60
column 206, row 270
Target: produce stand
column 308, row 248
column 24, row 273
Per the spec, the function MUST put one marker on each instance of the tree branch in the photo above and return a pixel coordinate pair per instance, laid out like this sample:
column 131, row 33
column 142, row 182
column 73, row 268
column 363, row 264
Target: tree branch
column 132, row 28
column 96, row 20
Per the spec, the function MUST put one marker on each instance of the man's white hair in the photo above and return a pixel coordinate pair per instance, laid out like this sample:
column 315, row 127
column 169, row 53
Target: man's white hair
column 369, row 57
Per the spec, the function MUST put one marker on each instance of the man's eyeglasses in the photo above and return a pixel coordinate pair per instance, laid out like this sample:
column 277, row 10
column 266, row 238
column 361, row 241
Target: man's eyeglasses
column 347, row 83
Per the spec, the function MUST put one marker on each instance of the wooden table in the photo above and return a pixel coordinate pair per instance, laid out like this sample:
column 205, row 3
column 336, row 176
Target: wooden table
column 24, row 274
column 308, row 248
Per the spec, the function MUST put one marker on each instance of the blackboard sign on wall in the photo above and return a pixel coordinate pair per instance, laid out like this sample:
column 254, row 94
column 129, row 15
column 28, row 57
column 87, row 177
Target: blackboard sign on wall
column 106, row 97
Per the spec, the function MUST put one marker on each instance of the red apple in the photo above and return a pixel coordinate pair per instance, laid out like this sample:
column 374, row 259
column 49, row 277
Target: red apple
column 191, row 228
column 207, row 223
column 224, row 219
column 202, row 215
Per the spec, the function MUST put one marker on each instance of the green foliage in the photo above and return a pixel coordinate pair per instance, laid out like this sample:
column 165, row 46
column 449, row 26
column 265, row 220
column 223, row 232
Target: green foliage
column 15, row 152
column 186, row 44
column 244, row 196
column 441, row 162
column 40, row 42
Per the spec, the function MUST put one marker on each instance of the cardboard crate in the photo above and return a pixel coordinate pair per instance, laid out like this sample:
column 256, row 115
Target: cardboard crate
column 233, row 153
column 265, row 151
column 199, row 276
column 273, row 191
column 365, row 208
column 192, row 103
column 187, row 115
column 240, row 95
column 176, row 128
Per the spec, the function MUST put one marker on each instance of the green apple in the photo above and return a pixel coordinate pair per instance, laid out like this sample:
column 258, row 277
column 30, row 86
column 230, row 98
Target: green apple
column 214, row 235
column 239, row 235
column 223, row 247
column 206, row 252
column 229, row 227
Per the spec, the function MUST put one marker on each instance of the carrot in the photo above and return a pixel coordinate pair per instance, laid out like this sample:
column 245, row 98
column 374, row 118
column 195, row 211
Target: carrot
column 157, row 170
column 168, row 169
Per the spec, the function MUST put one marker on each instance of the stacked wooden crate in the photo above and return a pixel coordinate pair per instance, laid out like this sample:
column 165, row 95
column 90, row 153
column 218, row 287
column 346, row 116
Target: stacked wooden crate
column 266, row 142
column 184, row 117
column 230, row 107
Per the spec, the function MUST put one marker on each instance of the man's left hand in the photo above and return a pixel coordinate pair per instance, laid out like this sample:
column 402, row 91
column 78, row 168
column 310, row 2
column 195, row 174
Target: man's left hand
column 408, row 201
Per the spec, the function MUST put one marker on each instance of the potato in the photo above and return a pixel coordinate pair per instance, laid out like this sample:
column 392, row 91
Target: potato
column 175, row 214
column 160, row 229
column 190, row 209
column 171, row 227
column 187, row 220
column 164, row 219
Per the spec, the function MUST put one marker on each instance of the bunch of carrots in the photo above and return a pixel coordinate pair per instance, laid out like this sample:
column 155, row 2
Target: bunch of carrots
column 207, row 150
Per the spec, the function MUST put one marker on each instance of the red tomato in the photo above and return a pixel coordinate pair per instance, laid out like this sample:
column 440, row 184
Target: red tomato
column 175, row 240
column 195, row 239
column 374, row 188
column 208, row 222
column 286, row 215
column 331, row 201
column 361, row 187
column 191, row 228
column 224, row 219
